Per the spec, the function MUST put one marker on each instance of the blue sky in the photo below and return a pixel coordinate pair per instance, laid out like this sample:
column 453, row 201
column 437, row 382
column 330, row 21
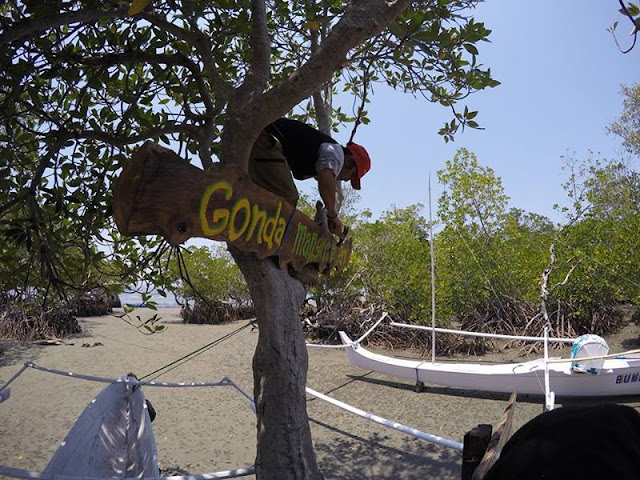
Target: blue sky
column 560, row 74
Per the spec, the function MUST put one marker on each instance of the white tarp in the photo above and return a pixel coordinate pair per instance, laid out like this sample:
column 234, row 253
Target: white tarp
column 588, row 346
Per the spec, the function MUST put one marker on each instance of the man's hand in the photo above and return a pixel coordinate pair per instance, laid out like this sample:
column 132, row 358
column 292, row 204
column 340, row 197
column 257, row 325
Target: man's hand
column 335, row 225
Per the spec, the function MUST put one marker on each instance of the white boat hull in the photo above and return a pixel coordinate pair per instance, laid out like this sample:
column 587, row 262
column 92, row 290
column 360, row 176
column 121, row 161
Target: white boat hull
column 618, row 377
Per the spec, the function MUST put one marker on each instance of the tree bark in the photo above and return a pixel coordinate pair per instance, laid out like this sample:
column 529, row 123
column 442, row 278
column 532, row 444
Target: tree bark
column 280, row 363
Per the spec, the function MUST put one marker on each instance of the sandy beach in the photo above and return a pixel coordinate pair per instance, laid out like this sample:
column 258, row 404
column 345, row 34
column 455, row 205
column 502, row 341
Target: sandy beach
column 212, row 429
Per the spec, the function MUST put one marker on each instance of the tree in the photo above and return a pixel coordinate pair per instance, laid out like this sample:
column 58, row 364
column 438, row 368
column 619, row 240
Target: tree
column 471, row 209
column 473, row 194
column 524, row 246
column 84, row 81
column 392, row 256
column 628, row 125
column 485, row 255
column 601, row 242
column 211, row 276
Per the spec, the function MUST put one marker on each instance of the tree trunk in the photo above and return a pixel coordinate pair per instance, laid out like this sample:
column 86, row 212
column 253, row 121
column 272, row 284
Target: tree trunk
column 284, row 447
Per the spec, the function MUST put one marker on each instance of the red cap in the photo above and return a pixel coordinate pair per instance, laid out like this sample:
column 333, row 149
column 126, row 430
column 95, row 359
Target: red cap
column 362, row 161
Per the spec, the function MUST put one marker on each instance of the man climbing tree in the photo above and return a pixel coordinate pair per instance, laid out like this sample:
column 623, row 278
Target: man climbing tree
column 85, row 82
column 289, row 147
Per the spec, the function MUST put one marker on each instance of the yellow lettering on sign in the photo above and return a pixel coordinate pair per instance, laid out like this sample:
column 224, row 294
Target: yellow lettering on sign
column 316, row 248
column 220, row 217
column 242, row 204
column 240, row 219
column 257, row 215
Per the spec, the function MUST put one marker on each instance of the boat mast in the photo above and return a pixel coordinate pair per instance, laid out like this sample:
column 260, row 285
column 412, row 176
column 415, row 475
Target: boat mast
column 433, row 281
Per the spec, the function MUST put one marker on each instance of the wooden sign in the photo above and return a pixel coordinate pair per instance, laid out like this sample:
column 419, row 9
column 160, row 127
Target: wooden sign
column 159, row 193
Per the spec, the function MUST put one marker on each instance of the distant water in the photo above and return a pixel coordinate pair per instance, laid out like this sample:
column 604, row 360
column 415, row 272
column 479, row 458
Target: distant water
column 135, row 299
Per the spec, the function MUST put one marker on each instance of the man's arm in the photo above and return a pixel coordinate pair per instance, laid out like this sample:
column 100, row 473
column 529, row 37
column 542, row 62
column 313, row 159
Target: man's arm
column 329, row 164
column 327, row 189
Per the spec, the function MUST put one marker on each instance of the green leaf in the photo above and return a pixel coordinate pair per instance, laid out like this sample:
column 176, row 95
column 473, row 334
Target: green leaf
column 633, row 9
column 471, row 48
column 137, row 6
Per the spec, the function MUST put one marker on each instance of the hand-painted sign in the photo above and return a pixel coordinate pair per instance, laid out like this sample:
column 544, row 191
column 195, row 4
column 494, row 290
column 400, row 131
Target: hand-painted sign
column 159, row 193
column 236, row 218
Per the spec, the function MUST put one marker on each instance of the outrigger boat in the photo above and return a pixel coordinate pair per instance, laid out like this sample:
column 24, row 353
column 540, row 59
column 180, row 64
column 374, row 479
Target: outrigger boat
column 590, row 372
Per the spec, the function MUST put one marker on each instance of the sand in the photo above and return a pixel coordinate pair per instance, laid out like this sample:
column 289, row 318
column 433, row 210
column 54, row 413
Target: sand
column 204, row 430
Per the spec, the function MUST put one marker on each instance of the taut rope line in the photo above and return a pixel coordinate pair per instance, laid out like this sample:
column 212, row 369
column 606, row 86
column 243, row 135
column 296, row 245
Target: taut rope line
column 170, row 366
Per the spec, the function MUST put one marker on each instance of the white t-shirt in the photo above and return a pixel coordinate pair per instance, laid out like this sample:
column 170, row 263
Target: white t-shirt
column 331, row 156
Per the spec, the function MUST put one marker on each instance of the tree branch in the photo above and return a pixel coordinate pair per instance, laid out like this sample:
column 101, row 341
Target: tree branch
column 625, row 10
column 241, row 127
column 634, row 32
column 362, row 20
column 203, row 46
column 322, row 103
column 221, row 89
column 152, row 58
column 118, row 141
column 43, row 164
column 259, row 68
column 34, row 25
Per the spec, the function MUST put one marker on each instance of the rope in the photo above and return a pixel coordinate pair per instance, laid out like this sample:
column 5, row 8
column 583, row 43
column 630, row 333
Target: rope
column 176, row 363
column 481, row 334
column 184, row 276
column 225, row 381
column 317, row 345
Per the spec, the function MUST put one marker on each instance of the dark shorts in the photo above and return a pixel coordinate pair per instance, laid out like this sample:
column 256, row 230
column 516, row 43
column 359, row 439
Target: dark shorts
column 268, row 168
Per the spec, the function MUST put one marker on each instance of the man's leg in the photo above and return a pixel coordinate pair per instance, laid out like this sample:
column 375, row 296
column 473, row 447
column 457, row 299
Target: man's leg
column 268, row 168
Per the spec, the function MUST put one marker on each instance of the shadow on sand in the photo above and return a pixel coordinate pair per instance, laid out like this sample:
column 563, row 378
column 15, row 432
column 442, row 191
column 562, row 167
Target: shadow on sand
column 454, row 392
column 362, row 458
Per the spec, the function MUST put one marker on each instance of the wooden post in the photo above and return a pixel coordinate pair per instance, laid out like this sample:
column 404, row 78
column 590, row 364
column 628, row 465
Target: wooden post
column 498, row 439
column 474, row 447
